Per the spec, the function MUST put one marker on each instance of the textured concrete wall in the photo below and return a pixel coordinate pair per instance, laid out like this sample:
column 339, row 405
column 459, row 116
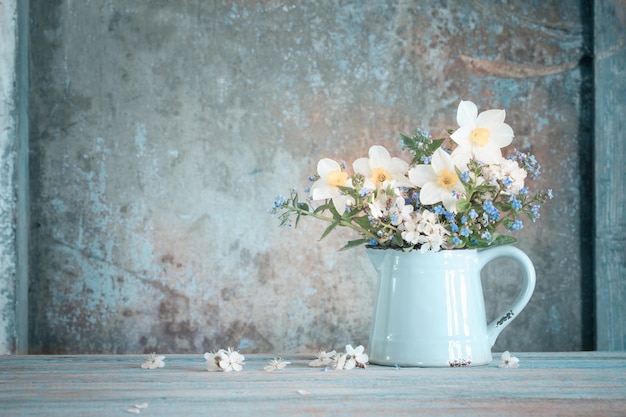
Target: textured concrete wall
column 8, row 128
column 162, row 131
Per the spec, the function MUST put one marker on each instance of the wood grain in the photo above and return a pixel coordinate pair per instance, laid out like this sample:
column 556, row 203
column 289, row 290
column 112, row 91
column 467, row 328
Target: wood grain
column 546, row 384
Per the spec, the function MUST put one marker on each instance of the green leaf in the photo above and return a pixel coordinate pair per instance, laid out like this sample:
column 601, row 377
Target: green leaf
column 436, row 144
column 503, row 240
column 329, row 229
column 354, row 243
column 321, row 208
column 463, row 205
column 362, row 221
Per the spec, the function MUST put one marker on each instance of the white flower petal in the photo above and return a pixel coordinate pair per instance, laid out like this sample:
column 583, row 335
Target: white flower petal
column 321, row 190
column 489, row 154
column 502, row 135
column 326, row 165
column 466, row 113
column 398, row 165
column 441, row 160
column 379, row 157
column 421, row 174
column 491, row 118
column 362, row 166
column 462, row 136
column 431, row 193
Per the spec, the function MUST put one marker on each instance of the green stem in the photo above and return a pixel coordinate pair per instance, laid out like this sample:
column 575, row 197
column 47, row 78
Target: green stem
column 341, row 222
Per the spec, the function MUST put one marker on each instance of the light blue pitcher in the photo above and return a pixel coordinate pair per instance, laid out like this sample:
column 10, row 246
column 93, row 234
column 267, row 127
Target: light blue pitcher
column 430, row 310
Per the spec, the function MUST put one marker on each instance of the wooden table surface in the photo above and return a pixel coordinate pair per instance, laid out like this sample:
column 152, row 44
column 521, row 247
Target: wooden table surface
column 545, row 384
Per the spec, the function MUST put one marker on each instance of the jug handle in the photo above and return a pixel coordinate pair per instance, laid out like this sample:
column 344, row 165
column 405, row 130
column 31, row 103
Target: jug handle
column 528, row 286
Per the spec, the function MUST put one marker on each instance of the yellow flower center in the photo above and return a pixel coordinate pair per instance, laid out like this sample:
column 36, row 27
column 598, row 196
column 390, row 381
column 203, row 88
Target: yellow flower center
column 447, row 179
column 379, row 175
column 337, row 178
column 480, row 136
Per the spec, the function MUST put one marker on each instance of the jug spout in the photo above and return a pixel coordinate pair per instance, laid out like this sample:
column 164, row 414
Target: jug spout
column 377, row 256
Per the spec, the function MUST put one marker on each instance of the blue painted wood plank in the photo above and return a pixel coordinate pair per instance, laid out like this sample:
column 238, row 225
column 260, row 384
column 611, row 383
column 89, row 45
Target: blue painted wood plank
column 581, row 383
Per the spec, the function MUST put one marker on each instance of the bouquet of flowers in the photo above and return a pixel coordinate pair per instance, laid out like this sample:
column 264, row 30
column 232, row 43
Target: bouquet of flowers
column 454, row 193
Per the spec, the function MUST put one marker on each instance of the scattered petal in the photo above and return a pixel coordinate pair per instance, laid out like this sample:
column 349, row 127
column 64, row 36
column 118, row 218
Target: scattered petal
column 133, row 410
column 275, row 364
column 322, row 358
column 303, row 392
column 153, row 361
column 140, row 406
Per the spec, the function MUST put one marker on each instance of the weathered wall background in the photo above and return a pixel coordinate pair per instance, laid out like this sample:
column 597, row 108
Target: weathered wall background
column 8, row 127
column 162, row 131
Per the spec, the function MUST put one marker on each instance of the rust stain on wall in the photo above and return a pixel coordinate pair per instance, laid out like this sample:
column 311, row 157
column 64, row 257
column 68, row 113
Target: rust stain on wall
column 510, row 70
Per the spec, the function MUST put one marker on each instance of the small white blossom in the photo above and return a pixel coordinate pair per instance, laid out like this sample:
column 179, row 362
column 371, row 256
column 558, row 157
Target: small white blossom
column 353, row 358
column 276, row 364
column 423, row 229
column 231, row 360
column 400, row 212
column 509, row 361
column 507, row 171
column 322, row 358
column 224, row 360
column 153, row 361
column 339, row 361
column 357, row 355
column 212, row 361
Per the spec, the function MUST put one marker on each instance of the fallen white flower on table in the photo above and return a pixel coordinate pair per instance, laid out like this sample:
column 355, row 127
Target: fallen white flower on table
column 224, row 360
column 275, row 364
column 357, row 356
column 231, row 360
column 322, row 358
column 212, row 361
column 133, row 410
column 508, row 361
column 353, row 358
column 153, row 361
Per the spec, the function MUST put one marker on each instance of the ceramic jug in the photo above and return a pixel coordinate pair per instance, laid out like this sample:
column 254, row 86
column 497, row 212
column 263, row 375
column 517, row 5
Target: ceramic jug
column 430, row 310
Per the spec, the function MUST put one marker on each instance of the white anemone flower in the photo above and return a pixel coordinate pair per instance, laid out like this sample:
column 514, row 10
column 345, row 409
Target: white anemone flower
column 438, row 181
column 381, row 170
column 327, row 186
column 481, row 135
